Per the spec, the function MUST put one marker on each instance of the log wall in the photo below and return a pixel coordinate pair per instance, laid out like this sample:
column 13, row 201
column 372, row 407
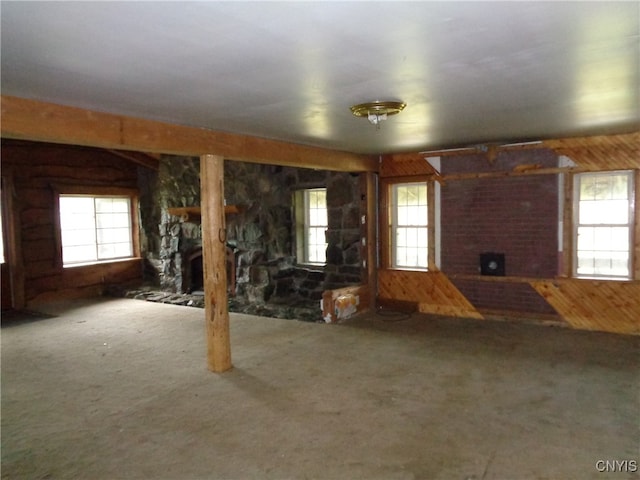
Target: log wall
column 34, row 170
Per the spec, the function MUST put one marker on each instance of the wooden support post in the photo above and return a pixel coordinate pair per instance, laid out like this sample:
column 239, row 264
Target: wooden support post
column 214, row 262
column 369, row 200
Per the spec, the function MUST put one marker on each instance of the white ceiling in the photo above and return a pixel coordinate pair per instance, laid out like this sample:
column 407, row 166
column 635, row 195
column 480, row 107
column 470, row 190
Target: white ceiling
column 470, row 72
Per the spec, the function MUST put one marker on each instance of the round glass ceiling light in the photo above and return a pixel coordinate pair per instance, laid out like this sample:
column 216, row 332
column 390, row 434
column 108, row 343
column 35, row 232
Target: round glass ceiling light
column 377, row 111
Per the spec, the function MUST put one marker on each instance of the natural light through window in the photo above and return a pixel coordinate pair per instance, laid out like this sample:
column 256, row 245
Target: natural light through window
column 1, row 236
column 604, row 224
column 409, row 224
column 315, row 225
column 95, row 228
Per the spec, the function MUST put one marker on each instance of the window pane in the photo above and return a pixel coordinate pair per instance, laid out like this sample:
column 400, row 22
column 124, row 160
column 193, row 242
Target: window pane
column 1, row 236
column 112, row 205
column 403, row 216
column 95, row 228
column 114, row 235
column 604, row 212
column 619, row 238
column 409, row 225
column 78, row 237
column 77, row 254
column 604, row 224
column 114, row 250
column 315, row 225
column 112, row 220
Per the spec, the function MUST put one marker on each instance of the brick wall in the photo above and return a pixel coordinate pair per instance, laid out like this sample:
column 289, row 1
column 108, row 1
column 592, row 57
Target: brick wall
column 517, row 216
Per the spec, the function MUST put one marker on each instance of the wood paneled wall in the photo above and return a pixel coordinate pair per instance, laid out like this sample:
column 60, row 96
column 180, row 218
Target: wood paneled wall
column 609, row 306
column 432, row 292
column 605, row 152
column 34, row 171
column 595, row 305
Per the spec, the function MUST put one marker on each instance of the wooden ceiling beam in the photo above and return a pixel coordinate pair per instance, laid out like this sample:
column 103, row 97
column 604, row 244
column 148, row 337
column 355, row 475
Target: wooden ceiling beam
column 34, row 120
column 147, row 160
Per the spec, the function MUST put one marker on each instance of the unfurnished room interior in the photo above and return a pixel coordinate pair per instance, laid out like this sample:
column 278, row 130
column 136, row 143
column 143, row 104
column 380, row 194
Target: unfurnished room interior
column 320, row 240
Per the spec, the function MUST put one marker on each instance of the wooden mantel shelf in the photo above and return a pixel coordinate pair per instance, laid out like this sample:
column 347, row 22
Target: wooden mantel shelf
column 192, row 214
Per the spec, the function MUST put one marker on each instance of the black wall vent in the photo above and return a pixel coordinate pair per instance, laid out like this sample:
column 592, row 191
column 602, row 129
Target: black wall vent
column 492, row 264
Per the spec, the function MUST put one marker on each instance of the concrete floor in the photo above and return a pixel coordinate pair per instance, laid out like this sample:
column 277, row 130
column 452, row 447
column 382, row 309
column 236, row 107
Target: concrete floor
column 118, row 388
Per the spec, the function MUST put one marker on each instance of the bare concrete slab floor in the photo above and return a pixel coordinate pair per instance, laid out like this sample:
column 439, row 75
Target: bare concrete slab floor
column 118, row 388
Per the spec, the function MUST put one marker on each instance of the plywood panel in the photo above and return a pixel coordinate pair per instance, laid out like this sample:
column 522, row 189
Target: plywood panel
column 606, row 306
column 432, row 291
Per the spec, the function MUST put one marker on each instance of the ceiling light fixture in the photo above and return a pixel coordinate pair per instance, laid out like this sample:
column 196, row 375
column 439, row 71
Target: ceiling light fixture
column 377, row 111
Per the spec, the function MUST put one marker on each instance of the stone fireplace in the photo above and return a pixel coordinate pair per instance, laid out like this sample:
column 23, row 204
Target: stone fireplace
column 262, row 269
column 193, row 272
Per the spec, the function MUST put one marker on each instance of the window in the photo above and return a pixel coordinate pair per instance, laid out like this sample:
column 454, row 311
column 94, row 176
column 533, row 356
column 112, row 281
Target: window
column 603, row 218
column 311, row 225
column 409, row 217
column 1, row 233
column 95, row 228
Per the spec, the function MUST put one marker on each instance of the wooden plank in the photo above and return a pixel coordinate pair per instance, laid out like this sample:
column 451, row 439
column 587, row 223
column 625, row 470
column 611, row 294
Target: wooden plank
column 510, row 173
column 45, row 122
column 432, row 291
column 214, row 263
column 193, row 214
column 81, row 281
column 607, row 306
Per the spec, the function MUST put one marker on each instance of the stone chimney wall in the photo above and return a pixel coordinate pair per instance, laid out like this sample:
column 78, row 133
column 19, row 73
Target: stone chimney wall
column 261, row 234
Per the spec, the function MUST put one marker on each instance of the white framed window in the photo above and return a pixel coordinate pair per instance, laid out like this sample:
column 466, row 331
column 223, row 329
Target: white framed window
column 311, row 225
column 603, row 224
column 409, row 223
column 95, row 228
column 2, row 259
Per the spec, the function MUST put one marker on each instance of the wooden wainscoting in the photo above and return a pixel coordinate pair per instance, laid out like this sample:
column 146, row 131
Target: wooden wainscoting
column 433, row 292
column 607, row 306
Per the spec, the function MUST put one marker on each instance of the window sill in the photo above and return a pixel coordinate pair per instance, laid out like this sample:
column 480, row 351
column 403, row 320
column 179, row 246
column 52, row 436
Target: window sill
column 408, row 269
column 102, row 262
column 312, row 266
column 603, row 279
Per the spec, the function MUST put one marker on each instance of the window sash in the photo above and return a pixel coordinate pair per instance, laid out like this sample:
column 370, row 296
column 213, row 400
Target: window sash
column 95, row 228
column 315, row 226
column 409, row 226
column 603, row 227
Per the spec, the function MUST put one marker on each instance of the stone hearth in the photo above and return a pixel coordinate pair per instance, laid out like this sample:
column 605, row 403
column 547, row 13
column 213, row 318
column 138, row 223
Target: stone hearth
column 299, row 309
